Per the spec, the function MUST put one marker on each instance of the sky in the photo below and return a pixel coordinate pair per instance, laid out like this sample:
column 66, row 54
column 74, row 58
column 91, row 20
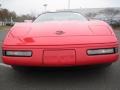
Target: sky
column 36, row 6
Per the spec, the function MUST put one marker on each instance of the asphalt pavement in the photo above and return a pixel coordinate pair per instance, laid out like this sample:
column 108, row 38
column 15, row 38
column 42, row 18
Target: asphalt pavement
column 60, row 79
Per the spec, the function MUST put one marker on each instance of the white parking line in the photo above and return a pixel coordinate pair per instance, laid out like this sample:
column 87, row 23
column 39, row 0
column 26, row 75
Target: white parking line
column 5, row 65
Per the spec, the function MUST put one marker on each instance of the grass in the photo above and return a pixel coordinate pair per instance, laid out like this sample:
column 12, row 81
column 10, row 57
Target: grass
column 2, row 28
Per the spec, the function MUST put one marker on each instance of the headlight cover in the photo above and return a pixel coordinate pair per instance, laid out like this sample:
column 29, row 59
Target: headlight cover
column 102, row 51
column 17, row 53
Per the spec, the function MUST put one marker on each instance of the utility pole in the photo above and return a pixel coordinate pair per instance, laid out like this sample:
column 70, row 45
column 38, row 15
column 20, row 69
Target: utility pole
column 45, row 6
column 69, row 4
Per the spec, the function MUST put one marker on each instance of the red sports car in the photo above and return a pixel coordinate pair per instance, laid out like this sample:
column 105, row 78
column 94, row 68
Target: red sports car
column 60, row 39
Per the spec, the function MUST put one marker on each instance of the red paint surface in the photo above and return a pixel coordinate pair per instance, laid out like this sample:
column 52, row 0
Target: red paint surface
column 59, row 57
column 68, row 49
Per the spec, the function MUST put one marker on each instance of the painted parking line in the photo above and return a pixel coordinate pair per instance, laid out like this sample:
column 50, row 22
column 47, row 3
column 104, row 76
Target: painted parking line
column 5, row 65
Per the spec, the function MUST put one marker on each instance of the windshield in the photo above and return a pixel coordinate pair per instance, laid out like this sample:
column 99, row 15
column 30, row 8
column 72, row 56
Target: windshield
column 60, row 16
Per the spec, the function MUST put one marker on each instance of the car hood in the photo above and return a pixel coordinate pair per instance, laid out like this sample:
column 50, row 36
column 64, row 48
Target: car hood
column 63, row 28
column 59, row 33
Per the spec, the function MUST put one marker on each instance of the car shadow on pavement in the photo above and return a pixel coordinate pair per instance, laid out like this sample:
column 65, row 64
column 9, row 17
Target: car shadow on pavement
column 49, row 78
column 62, row 74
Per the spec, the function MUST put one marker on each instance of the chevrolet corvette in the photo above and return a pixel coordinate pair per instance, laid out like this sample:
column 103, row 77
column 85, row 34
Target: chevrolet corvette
column 60, row 39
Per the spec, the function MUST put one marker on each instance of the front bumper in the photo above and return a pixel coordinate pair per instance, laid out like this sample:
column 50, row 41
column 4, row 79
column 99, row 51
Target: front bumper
column 80, row 56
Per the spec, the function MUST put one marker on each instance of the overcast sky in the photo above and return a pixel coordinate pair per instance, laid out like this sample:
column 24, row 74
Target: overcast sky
column 36, row 6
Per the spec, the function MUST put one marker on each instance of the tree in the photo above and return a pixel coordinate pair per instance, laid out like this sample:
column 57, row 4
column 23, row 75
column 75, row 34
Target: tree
column 110, row 12
column 6, row 15
column 13, row 15
column 25, row 17
column 90, row 15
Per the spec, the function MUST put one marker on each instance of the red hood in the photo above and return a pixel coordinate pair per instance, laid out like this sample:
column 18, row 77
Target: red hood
column 64, row 32
column 69, row 28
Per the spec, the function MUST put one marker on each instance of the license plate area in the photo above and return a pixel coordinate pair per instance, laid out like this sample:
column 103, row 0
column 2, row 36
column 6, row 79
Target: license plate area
column 59, row 57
